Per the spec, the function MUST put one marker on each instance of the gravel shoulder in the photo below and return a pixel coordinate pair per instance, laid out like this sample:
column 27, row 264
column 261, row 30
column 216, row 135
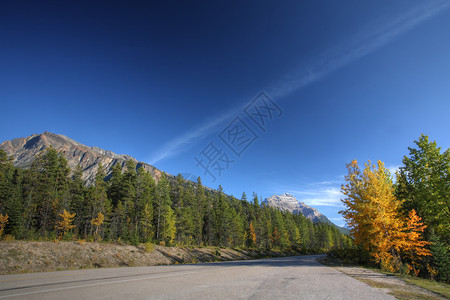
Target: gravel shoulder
column 387, row 283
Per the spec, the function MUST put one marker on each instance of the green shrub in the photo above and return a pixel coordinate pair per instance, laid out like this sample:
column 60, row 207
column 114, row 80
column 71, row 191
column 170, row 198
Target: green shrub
column 149, row 247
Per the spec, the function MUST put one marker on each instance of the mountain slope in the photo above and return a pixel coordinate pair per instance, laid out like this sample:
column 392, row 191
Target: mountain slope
column 287, row 202
column 25, row 150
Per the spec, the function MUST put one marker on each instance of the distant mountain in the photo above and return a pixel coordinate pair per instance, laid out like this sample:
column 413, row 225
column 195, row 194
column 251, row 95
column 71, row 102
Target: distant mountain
column 25, row 150
column 287, row 202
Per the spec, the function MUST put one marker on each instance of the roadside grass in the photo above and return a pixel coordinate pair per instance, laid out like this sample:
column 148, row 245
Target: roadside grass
column 431, row 285
column 397, row 292
column 434, row 286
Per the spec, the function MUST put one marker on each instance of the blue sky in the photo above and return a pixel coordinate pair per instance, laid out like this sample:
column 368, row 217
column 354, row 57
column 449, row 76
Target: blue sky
column 164, row 82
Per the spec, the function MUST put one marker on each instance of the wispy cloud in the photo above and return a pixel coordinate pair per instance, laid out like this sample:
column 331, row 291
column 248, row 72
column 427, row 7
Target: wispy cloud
column 329, row 196
column 371, row 38
column 183, row 142
column 368, row 40
column 328, row 182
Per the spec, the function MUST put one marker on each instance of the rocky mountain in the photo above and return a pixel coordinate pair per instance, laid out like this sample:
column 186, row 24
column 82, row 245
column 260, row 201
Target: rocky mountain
column 287, row 202
column 25, row 150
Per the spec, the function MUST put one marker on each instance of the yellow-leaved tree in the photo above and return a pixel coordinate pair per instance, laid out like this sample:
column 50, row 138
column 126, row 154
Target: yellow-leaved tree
column 415, row 245
column 65, row 224
column 97, row 222
column 252, row 235
column 373, row 213
column 3, row 222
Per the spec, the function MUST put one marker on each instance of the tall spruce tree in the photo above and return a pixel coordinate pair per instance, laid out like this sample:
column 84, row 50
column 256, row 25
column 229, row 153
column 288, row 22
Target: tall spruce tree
column 78, row 202
column 198, row 212
column 145, row 195
column 423, row 183
column 164, row 214
column 51, row 187
column 99, row 202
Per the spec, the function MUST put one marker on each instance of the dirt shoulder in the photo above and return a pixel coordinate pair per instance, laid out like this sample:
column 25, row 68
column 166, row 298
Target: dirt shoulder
column 387, row 283
column 26, row 256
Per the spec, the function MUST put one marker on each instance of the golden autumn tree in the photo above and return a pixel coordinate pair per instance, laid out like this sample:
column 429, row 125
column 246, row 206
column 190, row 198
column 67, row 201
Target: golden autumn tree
column 3, row 222
column 97, row 222
column 65, row 224
column 415, row 245
column 373, row 213
column 252, row 234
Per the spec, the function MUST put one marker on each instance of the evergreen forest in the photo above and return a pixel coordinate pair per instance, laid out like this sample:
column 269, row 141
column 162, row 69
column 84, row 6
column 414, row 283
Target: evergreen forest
column 50, row 201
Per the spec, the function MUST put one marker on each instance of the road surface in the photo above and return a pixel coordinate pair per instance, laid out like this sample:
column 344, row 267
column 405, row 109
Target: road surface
column 299, row 277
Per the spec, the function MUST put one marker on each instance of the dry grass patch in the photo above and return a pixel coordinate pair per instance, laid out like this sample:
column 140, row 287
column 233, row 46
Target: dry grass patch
column 404, row 287
column 431, row 285
column 399, row 291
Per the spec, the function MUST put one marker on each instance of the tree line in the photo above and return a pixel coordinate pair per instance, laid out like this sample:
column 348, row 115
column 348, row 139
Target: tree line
column 403, row 225
column 51, row 201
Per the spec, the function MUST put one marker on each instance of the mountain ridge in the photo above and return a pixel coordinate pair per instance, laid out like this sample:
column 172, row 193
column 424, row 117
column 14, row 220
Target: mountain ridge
column 287, row 202
column 25, row 149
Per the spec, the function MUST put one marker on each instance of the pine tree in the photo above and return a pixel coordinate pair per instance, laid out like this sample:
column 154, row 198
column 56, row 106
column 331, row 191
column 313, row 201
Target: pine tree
column 164, row 214
column 221, row 219
column 146, row 223
column 179, row 206
column 208, row 221
column 188, row 213
column 30, row 203
column 115, row 185
column 14, row 205
column 6, row 174
column 256, row 218
column 237, row 237
column 145, row 195
column 78, row 194
column 440, row 258
column 294, row 232
column 267, row 236
column 280, row 239
column 98, row 200
column 51, row 187
column 198, row 212
column 169, row 228
column 423, row 183
column 130, row 201
column 118, row 229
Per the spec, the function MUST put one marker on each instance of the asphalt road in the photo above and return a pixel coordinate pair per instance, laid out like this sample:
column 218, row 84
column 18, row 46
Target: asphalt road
column 299, row 277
